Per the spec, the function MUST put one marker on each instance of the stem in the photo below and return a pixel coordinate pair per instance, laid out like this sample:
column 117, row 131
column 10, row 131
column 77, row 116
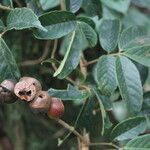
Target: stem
column 71, row 81
column 75, row 124
column 78, row 85
column 5, row 8
column 116, row 54
column 70, row 128
column 105, row 144
column 62, row 5
column 83, row 68
column 37, row 61
column 90, row 62
column 95, row 60
column 18, row 3
column 53, row 53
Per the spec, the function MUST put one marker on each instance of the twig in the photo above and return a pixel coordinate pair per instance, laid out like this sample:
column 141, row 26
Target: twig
column 71, row 81
column 75, row 124
column 18, row 3
column 82, row 67
column 78, row 85
column 5, row 7
column 96, row 60
column 84, row 146
column 62, row 5
column 90, row 62
column 105, row 144
column 53, row 53
column 2, row 33
column 70, row 128
column 37, row 61
column 116, row 54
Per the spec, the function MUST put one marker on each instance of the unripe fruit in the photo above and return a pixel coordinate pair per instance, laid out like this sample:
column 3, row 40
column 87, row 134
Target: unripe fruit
column 56, row 109
column 27, row 88
column 41, row 103
column 7, row 91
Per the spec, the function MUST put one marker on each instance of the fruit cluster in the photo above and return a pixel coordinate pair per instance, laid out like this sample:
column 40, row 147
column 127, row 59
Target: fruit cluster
column 30, row 90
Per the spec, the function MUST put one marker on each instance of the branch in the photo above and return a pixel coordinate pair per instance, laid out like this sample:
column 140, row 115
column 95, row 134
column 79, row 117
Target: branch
column 90, row 62
column 84, row 146
column 71, row 129
column 53, row 53
column 37, row 61
column 18, row 3
column 5, row 7
column 83, row 68
column 105, row 144
column 62, row 5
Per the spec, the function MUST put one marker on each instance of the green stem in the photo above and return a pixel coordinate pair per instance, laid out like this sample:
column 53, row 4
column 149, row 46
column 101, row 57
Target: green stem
column 75, row 124
column 116, row 54
column 105, row 144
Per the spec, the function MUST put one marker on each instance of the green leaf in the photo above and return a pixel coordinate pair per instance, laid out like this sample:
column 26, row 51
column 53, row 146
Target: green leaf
column 146, row 104
column 136, row 17
column 130, row 37
column 139, row 143
column 35, row 6
column 87, row 20
column 140, row 55
column 89, row 120
column 2, row 26
column 103, row 112
column 23, row 18
column 74, row 45
column 8, row 3
column 92, row 7
column 71, row 58
column 76, row 72
column 129, row 128
column 8, row 68
column 48, row 4
column 109, row 31
column 105, row 99
column 142, row 3
column 117, row 5
column 105, row 74
column 109, row 13
column 50, row 60
column 143, row 70
column 70, row 94
column 85, row 33
column 73, row 5
column 88, row 33
column 129, row 84
column 57, row 23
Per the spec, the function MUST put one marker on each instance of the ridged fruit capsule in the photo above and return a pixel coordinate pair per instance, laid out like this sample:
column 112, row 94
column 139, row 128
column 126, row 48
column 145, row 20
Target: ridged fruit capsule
column 7, row 91
column 27, row 88
column 41, row 103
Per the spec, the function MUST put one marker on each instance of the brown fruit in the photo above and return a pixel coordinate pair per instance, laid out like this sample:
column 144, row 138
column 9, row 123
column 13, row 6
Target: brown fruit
column 41, row 102
column 27, row 88
column 7, row 91
column 56, row 109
